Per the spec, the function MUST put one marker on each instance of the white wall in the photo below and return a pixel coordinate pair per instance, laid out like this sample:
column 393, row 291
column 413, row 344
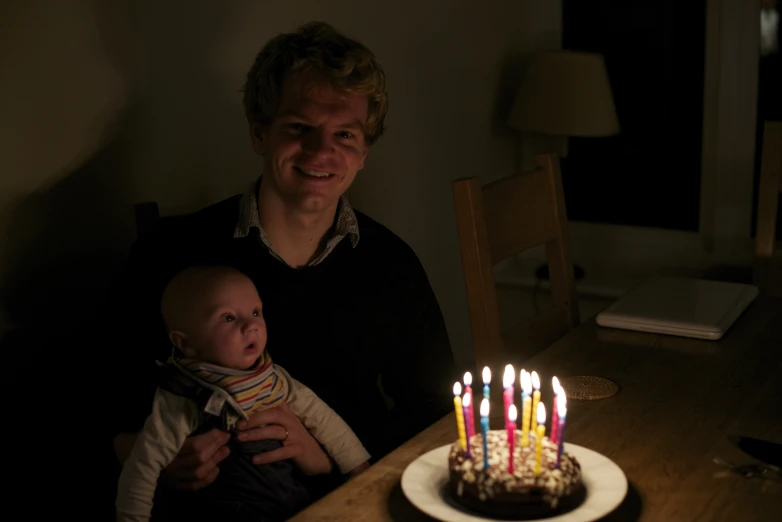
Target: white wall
column 64, row 98
column 129, row 101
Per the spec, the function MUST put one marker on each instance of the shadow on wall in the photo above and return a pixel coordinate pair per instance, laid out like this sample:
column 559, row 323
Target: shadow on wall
column 64, row 221
column 514, row 67
column 511, row 74
column 62, row 245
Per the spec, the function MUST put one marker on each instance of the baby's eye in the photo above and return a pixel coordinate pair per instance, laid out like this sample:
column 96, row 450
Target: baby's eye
column 228, row 318
column 344, row 134
column 296, row 126
column 256, row 313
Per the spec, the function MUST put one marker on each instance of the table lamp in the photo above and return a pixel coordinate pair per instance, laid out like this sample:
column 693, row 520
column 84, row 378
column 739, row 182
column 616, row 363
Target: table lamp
column 564, row 93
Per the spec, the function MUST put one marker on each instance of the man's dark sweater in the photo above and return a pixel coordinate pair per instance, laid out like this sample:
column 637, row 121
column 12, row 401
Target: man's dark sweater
column 364, row 315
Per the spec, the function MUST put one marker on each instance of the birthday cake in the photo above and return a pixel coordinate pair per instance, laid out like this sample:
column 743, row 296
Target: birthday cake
column 498, row 493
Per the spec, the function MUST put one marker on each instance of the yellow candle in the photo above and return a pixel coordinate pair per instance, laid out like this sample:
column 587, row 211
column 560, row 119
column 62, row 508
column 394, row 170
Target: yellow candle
column 526, row 412
column 535, row 395
column 457, row 404
column 540, row 434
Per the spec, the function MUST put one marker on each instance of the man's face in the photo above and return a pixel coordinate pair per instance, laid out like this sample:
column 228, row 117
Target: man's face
column 228, row 328
column 314, row 146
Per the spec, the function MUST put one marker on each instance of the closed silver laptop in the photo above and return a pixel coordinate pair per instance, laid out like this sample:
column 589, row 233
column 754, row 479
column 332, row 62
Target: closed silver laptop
column 685, row 307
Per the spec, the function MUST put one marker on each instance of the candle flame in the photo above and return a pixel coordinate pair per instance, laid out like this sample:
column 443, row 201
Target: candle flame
column 541, row 413
column 457, row 388
column 555, row 384
column 535, row 380
column 485, row 408
column 512, row 413
column 467, row 379
column 486, row 375
column 509, row 377
column 562, row 404
column 526, row 385
column 467, row 399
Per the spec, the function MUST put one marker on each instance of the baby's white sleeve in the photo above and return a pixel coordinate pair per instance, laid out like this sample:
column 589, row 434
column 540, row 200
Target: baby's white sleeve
column 172, row 420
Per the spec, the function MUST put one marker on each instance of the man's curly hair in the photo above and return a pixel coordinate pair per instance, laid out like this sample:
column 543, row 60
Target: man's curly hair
column 316, row 48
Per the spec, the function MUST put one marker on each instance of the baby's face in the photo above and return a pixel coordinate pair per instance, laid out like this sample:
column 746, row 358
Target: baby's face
column 228, row 327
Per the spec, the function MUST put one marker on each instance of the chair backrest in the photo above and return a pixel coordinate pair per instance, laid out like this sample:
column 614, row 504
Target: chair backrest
column 497, row 221
column 768, row 267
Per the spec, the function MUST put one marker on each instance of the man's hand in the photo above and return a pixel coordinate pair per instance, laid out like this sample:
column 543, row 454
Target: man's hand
column 195, row 466
column 281, row 424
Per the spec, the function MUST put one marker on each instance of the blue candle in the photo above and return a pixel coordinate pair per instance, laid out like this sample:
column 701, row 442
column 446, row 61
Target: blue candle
column 562, row 413
column 486, row 382
column 485, row 431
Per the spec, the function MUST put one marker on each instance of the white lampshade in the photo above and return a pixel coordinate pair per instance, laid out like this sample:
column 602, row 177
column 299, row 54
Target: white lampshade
column 565, row 93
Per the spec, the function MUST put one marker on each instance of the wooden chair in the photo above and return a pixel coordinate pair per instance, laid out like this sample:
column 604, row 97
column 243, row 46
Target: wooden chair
column 768, row 266
column 497, row 221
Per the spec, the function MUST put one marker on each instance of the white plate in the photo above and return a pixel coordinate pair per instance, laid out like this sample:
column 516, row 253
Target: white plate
column 424, row 481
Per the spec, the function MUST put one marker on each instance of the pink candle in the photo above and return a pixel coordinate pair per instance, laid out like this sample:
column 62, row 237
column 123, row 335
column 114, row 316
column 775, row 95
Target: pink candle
column 507, row 384
column 468, row 389
column 511, row 436
column 470, row 423
column 554, row 415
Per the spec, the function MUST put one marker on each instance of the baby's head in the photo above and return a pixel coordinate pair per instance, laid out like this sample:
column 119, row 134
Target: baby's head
column 213, row 313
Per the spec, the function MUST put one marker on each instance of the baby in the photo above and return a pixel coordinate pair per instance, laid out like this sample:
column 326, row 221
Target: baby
column 218, row 374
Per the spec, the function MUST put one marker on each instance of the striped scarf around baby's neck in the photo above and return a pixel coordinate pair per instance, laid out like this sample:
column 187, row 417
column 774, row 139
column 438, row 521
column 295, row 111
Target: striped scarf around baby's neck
column 256, row 389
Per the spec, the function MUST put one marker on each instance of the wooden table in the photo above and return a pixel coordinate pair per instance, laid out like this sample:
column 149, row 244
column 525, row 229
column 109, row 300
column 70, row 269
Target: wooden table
column 679, row 399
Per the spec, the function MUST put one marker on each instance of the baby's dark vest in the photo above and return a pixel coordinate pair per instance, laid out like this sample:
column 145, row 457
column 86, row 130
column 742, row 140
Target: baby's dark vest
column 242, row 490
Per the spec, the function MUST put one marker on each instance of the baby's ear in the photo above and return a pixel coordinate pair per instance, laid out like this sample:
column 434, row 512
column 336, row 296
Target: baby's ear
column 179, row 339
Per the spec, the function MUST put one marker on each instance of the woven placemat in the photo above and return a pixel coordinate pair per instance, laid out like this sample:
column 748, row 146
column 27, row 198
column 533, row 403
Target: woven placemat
column 588, row 387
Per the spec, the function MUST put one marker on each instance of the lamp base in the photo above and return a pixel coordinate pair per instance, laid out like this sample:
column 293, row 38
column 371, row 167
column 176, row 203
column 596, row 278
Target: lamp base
column 543, row 274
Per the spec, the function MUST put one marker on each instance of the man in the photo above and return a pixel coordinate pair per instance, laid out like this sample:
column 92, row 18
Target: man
column 349, row 308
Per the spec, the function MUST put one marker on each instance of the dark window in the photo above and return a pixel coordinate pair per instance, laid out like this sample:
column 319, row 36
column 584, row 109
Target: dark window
column 649, row 174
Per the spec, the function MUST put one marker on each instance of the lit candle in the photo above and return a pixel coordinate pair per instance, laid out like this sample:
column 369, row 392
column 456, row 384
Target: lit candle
column 457, row 403
column 469, row 413
column 485, row 431
column 486, row 382
column 469, row 425
column 526, row 410
column 507, row 384
column 554, row 411
column 562, row 409
column 511, row 435
column 535, row 396
column 539, row 436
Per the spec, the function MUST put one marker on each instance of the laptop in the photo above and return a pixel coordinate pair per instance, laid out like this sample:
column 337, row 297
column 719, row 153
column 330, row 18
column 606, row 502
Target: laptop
column 686, row 307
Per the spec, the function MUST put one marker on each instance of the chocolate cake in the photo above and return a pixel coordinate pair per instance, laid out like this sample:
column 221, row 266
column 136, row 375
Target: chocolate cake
column 497, row 493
